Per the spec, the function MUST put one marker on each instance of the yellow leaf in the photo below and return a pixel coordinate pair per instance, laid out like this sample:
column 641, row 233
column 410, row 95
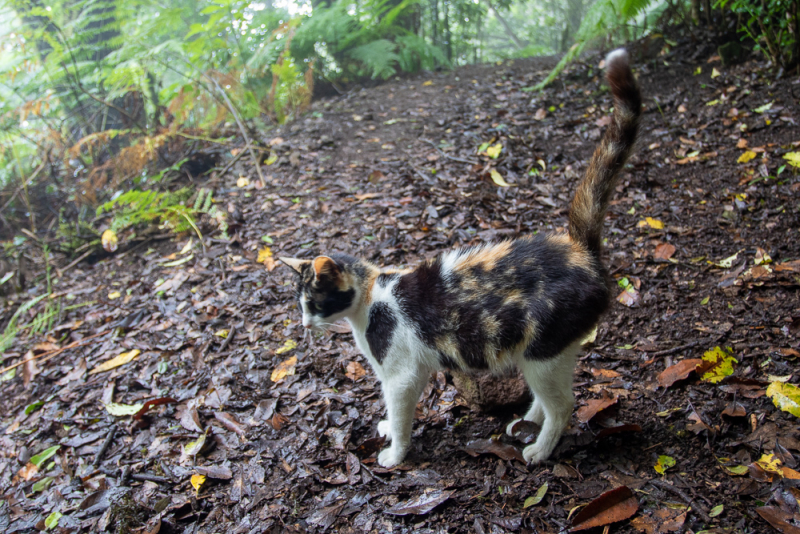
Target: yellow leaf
column 264, row 254
column 770, row 464
column 243, row 181
column 122, row 359
column 222, row 333
column 793, row 158
column 498, row 178
column 121, row 410
column 746, row 156
column 652, row 223
column 284, row 369
column 785, row 396
column 273, row 157
column 197, row 481
column 429, row 82
column 288, row 345
column 494, row 150
column 114, row 295
column 187, row 247
column 109, row 240
column 664, row 463
column 715, row 73
column 193, row 448
column 717, row 364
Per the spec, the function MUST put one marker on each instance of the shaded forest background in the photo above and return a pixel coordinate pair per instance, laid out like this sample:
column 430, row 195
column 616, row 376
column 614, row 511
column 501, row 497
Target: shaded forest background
column 106, row 108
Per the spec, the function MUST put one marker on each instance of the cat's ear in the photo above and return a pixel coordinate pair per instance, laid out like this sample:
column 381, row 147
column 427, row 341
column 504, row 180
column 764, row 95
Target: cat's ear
column 297, row 265
column 325, row 267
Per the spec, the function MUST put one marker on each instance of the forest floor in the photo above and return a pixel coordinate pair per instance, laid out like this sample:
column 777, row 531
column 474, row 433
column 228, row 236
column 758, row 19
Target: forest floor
column 257, row 426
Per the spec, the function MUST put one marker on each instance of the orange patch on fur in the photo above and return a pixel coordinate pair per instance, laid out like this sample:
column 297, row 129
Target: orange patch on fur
column 486, row 257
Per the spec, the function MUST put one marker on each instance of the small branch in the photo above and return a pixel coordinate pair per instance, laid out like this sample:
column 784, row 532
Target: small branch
column 231, row 162
column 238, row 119
column 106, row 444
column 697, row 508
column 25, row 182
column 453, row 158
column 73, row 263
column 228, row 338
column 53, row 353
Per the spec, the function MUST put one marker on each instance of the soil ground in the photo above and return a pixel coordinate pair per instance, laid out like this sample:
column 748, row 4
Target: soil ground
column 394, row 174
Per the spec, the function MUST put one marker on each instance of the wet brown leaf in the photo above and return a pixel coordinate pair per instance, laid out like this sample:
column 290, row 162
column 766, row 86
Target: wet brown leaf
column 612, row 506
column 593, row 406
column 679, row 371
column 230, row 422
column 153, row 402
column 420, row 505
column 218, row 472
column 664, row 251
column 778, row 519
column 492, row 446
column 662, row 521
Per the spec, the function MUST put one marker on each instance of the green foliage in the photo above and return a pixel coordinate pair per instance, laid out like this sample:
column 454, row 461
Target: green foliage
column 771, row 24
column 603, row 18
column 134, row 208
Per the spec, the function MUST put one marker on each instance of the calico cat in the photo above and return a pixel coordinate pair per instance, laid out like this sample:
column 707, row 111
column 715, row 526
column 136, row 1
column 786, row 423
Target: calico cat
column 527, row 302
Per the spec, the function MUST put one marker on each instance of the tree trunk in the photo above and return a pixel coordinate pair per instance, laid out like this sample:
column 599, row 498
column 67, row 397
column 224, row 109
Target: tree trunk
column 516, row 40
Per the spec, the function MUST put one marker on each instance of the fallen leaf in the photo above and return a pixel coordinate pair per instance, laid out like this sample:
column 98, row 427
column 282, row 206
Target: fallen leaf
column 629, row 297
column 650, row 222
column 218, row 472
column 153, row 402
column 288, row 345
column 264, row 254
column 494, row 150
column 52, row 520
column 109, row 240
column 45, row 455
column 734, row 409
column 121, row 359
column 540, row 115
column 697, row 424
column 121, row 410
column 230, row 422
column 793, row 158
column 420, row 505
column 662, row 521
column 493, row 446
column 284, row 369
column 785, row 396
column 612, row 506
column 593, row 406
column 537, row 497
column 197, row 482
column 717, row 364
column 715, row 73
column 428, row 83
column 736, row 470
column 778, row 519
column 193, row 448
column 664, row 251
column 243, row 181
column 114, row 295
column 498, row 178
column 664, row 463
column 746, row 156
column 273, row 157
column 355, row 371
column 678, row 371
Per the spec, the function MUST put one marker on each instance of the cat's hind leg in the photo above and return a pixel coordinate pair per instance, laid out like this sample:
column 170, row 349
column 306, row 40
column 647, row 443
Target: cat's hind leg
column 401, row 394
column 551, row 383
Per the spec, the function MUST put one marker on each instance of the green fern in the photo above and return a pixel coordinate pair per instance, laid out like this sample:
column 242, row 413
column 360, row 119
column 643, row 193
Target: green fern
column 379, row 56
column 603, row 18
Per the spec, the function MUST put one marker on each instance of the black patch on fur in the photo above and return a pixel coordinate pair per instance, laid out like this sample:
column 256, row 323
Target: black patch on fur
column 382, row 323
column 447, row 362
column 349, row 263
column 424, row 300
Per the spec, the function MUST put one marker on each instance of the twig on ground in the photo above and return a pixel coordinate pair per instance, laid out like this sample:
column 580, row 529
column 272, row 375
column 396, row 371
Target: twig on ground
column 452, row 158
column 228, row 338
column 696, row 507
column 106, row 444
column 73, row 263
column 48, row 355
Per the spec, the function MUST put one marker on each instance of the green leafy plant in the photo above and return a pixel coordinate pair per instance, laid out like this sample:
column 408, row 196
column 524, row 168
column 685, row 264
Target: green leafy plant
column 772, row 25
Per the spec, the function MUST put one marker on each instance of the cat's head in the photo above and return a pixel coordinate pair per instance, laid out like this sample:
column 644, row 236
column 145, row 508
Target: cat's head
column 329, row 287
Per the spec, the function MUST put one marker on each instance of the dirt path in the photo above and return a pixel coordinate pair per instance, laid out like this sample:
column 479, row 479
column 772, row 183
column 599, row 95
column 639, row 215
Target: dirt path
column 394, row 174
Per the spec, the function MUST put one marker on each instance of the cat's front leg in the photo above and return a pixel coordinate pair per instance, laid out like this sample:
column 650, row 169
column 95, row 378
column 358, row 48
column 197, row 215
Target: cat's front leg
column 401, row 398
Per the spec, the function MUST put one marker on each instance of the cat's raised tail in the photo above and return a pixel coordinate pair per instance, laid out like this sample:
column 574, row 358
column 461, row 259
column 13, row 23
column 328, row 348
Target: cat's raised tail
column 588, row 208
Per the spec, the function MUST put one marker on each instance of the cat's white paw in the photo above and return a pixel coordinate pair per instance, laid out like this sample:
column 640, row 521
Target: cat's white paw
column 535, row 454
column 511, row 426
column 385, row 430
column 390, row 457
